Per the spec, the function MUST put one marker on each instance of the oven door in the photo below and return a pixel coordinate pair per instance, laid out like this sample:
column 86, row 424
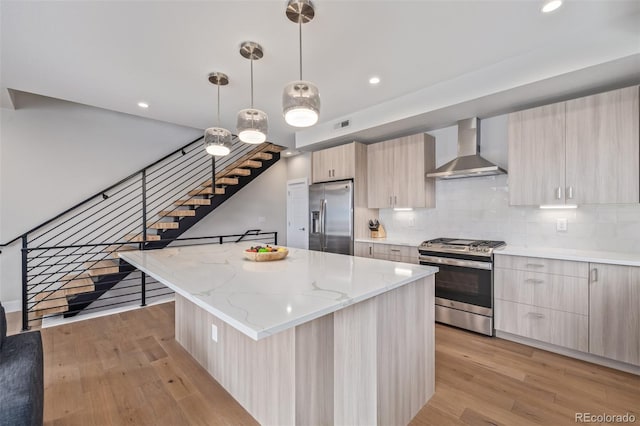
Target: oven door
column 463, row 284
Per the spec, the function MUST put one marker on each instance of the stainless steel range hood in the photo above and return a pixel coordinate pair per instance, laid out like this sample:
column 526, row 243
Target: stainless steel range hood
column 469, row 163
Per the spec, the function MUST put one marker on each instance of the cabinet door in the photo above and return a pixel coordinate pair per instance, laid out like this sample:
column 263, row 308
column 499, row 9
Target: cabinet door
column 342, row 160
column 614, row 312
column 603, row 148
column 408, row 171
column 537, row 156
column 363, row 249
column 380, row 175
column 320, row 166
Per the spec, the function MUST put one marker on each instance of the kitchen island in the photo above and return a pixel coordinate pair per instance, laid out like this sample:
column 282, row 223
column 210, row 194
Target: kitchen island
column 316, row 338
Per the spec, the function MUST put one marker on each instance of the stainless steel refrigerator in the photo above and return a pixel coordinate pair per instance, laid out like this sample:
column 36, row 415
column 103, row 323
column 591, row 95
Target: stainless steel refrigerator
column 331, row 217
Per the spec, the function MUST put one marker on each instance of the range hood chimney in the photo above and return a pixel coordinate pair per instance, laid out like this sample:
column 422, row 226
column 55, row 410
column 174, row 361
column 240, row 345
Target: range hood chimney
column 468, row 163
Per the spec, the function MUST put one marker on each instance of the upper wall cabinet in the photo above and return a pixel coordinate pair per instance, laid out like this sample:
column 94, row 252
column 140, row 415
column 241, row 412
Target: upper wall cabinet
column 334, row 163
column 396, row 172
column 583, row 151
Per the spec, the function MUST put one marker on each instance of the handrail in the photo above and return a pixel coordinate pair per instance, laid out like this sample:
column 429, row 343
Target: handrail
column 101, row 193
column 247, row 232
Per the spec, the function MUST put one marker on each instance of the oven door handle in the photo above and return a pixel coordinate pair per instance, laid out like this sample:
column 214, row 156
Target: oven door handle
column 457, row 262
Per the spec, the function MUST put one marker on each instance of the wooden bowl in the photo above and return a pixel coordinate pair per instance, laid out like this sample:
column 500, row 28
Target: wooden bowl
column 266, row 256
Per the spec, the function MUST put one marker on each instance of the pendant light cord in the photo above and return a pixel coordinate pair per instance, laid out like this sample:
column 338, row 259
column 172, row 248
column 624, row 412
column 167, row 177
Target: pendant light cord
column 218, row 105
column 252, row 80
column 300, row 38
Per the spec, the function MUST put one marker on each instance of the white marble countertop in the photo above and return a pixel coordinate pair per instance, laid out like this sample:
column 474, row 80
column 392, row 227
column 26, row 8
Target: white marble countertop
column 614, row 258
column 264, row 298
column 391, row 241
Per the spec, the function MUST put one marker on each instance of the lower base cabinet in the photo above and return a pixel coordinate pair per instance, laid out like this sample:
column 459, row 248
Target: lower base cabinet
column 588, row 307
column 614, row 312
column 396, row 253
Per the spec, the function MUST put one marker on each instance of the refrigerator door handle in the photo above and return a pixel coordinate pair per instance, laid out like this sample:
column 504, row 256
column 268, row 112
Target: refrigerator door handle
column 323, row 206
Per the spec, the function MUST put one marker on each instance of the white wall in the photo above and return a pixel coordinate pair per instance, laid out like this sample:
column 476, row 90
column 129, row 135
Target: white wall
column 299, row 166
column 54, row 154
column 479, row 208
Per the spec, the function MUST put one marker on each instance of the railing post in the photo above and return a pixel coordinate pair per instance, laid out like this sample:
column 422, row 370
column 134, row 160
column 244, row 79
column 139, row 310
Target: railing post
column 275, row 238
column 25, row 285
column 143, row 278
column 144, row 209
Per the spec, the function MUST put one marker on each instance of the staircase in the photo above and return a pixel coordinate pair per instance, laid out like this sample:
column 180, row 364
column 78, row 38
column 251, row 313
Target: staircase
column 90, row 279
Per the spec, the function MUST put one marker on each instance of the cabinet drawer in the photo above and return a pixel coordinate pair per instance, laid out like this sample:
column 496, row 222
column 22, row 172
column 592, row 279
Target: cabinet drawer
column 400, row 253
column 538, row 264
column 563, row 293
column 363, row 249
column 547, row 325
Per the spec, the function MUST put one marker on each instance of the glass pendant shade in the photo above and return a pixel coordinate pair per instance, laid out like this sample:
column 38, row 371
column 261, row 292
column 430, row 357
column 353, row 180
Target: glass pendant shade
column 301, row 103
column 252, row 126
column 217, row 141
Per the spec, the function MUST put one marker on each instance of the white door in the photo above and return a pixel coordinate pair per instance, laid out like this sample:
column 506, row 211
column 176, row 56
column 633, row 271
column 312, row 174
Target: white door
column 298, row 213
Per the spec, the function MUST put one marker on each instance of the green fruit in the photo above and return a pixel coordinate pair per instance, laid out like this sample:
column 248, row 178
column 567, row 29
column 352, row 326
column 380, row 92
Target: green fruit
column 263, row 250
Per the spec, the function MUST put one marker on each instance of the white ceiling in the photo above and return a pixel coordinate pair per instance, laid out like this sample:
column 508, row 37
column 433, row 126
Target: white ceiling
column 113, row 54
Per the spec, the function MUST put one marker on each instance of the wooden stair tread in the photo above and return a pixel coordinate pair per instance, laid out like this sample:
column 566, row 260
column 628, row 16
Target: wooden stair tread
column 193, row 202
column 262, row 156
column 49, row 302
column 164, row 225
column 115, row 249
column 75, row 284
column 252, row 164
column 225, row 180
column 238, row 172
column 137, row 238
column 177, row 213
column 206, row 191
column 102, row 267
column 275, row 148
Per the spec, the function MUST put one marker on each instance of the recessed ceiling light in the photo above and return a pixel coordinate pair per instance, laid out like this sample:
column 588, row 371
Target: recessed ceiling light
column 143, row 105
column 551, row 5
column 374, row 80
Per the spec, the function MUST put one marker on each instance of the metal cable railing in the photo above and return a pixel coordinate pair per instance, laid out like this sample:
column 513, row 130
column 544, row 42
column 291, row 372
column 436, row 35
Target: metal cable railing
column 145, row 210
column 133, row 288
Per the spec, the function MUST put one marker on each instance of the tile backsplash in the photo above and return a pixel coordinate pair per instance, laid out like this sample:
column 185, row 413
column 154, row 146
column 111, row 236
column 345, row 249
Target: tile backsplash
column 479, row 208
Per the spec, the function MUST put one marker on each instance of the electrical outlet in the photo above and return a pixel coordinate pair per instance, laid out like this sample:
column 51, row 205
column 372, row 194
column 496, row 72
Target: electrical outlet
column 214, row 333
column 562, row 224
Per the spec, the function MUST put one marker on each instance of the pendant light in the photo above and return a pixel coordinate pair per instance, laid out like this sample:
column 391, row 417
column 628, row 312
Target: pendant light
column 252, row 124
column 217, row 141
column 300, row 99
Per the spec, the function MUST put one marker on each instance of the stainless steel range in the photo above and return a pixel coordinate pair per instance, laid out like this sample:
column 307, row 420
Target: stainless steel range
column 464, row 285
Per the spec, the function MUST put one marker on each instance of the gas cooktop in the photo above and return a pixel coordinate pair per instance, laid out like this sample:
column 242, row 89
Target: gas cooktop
column 453, row 245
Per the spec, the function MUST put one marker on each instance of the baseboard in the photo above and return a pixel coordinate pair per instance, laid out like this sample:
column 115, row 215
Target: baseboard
column 12, row 305
column 583, row 356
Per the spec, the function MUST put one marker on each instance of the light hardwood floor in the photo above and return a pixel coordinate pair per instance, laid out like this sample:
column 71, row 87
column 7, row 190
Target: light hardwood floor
column 128, row 369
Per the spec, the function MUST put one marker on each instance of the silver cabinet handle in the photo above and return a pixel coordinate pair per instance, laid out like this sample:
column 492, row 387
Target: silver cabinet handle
column 570, row 192
column 558, row 193
column 533, row 281
column 534, row 265
column 594, row 275
column 300, row 229
column 535, row 315
column 395, row 200
column 394, row 250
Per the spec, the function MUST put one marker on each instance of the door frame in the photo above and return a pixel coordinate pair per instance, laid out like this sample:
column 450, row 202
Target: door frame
column 291, row 182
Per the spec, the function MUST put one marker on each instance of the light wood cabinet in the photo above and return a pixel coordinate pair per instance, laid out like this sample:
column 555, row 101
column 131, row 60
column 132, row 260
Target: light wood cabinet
column 383, row 251
column 543, row 299
column 363, row 249
column 397, row 172
column 603, row 153
column 614, row 312
column 583, row 151
column 536, row 156
column 334, row 163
